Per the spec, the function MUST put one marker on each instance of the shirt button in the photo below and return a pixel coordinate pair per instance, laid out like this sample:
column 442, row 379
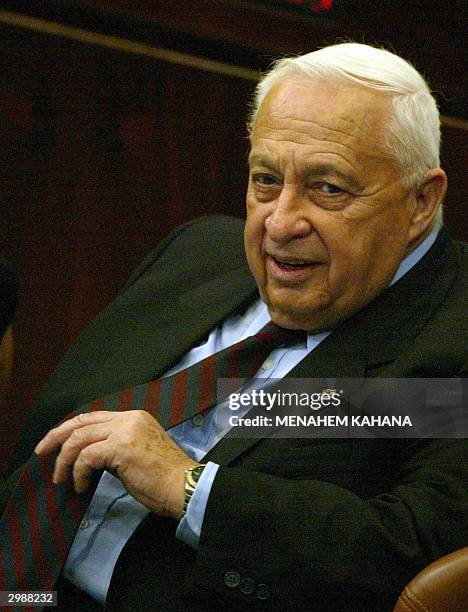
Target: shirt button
column 263, row 591
column 267, row 364
column 247, row 586
column 232, row 579
column 84, row 522
column 197, row 420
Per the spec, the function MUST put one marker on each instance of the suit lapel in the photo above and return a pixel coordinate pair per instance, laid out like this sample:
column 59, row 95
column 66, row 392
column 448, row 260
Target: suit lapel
column 194, row 315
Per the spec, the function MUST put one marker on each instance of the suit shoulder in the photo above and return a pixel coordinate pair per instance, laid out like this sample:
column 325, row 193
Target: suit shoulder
column 214, row 242
column 210, row 232
column 459, row 287
column 461, row 249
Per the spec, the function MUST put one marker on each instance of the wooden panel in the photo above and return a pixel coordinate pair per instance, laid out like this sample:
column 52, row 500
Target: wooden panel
column 101, row 155
column 454, row 160
column 427, row 32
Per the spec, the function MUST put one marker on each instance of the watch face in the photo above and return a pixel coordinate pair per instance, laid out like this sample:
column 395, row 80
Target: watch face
column 193, row 475
column 197, row 472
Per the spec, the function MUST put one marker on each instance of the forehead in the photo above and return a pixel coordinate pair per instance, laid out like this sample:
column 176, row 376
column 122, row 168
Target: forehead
column 341, row 116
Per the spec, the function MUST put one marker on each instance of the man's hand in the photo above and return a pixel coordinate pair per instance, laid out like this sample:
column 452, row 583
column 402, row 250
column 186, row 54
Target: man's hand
column 131, row 444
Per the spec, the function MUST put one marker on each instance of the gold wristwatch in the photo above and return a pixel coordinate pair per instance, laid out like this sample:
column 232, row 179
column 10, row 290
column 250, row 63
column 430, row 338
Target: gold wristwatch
column 192, row 476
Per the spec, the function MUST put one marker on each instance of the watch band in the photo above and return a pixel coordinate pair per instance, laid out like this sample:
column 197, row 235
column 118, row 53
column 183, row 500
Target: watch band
column 192, row 476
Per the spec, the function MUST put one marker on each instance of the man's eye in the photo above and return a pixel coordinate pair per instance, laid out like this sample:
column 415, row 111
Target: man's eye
column 266, row 180
column 329, row 189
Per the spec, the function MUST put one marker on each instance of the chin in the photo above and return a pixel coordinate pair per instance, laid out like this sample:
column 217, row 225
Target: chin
column 287, row 304
column 317, row 315
column 293, row 319
column 285, row 321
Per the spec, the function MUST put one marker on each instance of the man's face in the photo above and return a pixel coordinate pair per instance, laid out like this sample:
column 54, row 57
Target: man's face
column 328, row 216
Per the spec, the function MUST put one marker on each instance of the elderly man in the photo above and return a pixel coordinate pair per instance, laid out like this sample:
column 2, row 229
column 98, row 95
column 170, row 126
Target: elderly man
column 344, row 241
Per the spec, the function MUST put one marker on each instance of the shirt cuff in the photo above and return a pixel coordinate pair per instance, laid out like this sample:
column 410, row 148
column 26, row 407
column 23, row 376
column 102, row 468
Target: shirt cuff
column 189, row 528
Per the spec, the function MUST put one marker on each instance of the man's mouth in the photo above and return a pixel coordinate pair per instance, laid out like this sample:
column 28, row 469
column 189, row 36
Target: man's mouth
column 290, row 269
column 293, row 265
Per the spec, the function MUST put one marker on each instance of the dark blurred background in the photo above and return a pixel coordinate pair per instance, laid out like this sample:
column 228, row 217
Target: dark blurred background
column 120, row 119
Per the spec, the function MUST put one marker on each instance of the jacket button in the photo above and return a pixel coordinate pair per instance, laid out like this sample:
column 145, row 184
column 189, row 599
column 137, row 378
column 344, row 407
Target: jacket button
column 263, row 591
column 247, row 586
column 232, row 579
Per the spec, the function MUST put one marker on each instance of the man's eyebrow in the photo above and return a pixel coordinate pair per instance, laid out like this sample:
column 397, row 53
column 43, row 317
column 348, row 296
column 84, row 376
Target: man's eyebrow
column 324, row 169
column 261, row 161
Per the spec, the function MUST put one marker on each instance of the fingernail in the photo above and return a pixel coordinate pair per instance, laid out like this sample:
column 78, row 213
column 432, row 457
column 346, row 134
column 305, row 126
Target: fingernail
column 37, row 450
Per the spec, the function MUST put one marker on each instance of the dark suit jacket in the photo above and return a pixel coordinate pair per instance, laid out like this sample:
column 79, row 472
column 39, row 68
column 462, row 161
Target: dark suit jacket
column 291, row 523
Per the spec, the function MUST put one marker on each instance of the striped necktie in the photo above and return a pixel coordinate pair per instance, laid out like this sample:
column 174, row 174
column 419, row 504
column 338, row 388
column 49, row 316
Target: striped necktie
column 41, row 519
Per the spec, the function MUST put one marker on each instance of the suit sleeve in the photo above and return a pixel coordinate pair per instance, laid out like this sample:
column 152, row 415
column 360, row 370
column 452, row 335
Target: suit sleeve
column 310, row 544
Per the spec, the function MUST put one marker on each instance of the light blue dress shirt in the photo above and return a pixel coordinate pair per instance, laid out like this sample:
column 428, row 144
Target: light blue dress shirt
column 113, row 514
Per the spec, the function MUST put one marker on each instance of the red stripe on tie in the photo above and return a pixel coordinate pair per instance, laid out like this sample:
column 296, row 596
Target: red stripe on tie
column 233, row 367
column 37, row 552
column 18, row 550
column 125, row 399
column 152, row 397
column 265, row 333
column 207, row 375
column 97, row 404
column 178, row 398
column 55, row 522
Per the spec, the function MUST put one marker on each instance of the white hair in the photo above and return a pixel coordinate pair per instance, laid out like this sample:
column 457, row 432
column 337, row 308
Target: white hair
column 413, row 129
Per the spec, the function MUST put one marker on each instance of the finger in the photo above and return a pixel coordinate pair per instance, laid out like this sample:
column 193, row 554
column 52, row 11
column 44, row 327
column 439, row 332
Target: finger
column 93, row 457
column 57, row 436
column 79, row 439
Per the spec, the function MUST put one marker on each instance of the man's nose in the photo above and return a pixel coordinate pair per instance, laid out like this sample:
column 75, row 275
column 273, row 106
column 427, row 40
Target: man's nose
column 288, row 219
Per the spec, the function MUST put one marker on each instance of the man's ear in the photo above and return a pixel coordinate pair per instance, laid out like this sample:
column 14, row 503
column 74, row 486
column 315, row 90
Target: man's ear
column 429, row 198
